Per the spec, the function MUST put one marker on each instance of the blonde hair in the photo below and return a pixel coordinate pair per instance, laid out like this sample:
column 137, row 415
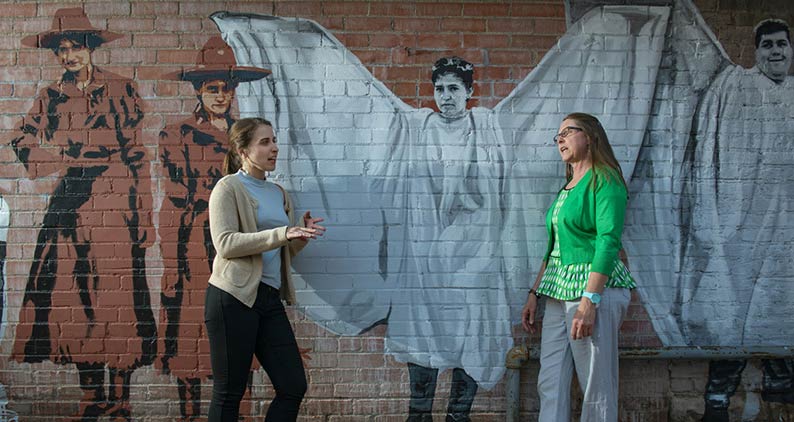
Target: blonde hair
column 600, row 152
column 240, row 135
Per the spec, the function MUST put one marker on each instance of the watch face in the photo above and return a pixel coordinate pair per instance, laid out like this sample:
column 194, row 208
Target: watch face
column 594, row 297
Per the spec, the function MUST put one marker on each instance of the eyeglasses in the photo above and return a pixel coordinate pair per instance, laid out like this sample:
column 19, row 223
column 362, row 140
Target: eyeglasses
column 568, row 131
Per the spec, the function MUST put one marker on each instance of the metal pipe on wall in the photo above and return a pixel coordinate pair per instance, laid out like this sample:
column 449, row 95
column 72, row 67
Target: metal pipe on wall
column 514, row 360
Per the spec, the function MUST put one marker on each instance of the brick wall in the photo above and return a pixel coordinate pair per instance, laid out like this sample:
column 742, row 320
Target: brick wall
column 351, row 379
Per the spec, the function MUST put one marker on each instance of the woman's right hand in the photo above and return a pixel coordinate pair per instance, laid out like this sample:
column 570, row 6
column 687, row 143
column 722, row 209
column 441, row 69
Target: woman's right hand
column 304, row 233
column 528, row 313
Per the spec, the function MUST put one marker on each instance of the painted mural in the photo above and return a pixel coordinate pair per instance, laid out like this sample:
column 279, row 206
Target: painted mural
column 437, row 215
column 425, row 175
column 450, row 211
column 738, row 197
column 87, row 300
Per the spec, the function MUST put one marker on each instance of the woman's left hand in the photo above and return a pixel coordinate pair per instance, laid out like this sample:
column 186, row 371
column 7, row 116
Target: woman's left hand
column 583, row 320
column 311, row 223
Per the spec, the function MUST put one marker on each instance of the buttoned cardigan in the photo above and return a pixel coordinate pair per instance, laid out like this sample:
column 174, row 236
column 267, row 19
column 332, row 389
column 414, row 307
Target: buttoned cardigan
column 590, row 223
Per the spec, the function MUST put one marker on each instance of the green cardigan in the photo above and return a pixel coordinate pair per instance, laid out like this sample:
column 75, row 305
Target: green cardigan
column 591, row 222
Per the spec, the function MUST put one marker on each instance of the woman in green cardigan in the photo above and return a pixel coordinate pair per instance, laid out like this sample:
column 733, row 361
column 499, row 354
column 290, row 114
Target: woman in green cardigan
column 583, row 280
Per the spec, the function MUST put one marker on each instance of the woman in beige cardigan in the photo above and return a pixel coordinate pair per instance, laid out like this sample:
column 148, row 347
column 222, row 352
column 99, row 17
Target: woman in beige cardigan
column 251, row 223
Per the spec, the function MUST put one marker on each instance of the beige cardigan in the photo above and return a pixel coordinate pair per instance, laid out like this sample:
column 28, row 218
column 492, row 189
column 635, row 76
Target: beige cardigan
column 237, row 268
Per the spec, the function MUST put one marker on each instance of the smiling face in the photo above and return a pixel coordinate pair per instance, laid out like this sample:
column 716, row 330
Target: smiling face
column 261, row 153
column 73, row 57
column 773, row 55
column 216, row 97
column 451, row 95
column 571, row 142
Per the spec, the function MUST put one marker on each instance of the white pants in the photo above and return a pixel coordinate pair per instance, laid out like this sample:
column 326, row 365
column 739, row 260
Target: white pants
column 595, row 359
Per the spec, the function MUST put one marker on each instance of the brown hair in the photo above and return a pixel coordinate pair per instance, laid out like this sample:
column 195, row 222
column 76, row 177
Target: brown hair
column 601, row 155
column 240, row 135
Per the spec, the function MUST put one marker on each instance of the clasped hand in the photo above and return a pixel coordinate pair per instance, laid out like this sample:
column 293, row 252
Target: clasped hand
column 310, row 230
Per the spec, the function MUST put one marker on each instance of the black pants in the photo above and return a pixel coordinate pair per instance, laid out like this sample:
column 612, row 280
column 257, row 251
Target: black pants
column 237, row 333
column 423, row 391
column 725, row 375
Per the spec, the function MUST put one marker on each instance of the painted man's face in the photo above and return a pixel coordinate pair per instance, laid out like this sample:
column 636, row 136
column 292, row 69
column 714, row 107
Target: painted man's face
column 73, row 57
column 451, row 94
column 217, row 96
column 773, row 55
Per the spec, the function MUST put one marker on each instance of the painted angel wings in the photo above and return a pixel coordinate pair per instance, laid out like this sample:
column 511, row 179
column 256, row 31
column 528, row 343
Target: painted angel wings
column 377, row 167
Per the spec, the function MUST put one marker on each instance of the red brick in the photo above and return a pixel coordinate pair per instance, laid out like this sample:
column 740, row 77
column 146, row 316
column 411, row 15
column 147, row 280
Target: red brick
column 178, row 24
column 353, row 40
column 105, row 8
column 127, row 72
column 333, row 23
column 128, row 24
column 36, row 57
column 466, row 25
column 153, row 72
column 405, row 73
column 6, row 27
column 502, row 90
column 486, row 40
column 423, row 25
column 346, row 8
column 377, row 24
column 149, row 8
column 533, row 41
column 438, row 41
column 19, row 10
column 372, row 56
column 510, row 25
column 392, row 40
column 392, row 9
column 538, row 10
column 155, row 40
column 440, row 9
column 12, row 105
column 513, row 56
column 186, row 57
column 426, row 89
column 259, row 7
column 131, row 56
column 298, row 8
column 32, row 25
column 550, row 26
column 492, row 72
column 406, row 89
column 486, row 9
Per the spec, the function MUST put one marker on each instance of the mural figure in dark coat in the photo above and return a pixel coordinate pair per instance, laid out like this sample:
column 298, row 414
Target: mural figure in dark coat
column 739, row 195
column 192, row 153
column 86, row 301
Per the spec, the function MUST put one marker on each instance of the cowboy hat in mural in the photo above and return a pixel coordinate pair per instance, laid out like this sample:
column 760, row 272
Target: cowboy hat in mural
column 216, row 61
column 71, row 22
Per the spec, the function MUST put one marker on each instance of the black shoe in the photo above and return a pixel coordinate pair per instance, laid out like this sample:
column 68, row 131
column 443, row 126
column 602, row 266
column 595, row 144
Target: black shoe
column 716, row 414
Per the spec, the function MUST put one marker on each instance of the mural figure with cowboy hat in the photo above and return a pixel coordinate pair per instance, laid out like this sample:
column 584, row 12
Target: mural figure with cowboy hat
column 192, row 153
column 86, row 300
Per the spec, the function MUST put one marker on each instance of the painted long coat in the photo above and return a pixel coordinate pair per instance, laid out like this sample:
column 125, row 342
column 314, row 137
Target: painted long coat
column 192, row 153
column 86, row 298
